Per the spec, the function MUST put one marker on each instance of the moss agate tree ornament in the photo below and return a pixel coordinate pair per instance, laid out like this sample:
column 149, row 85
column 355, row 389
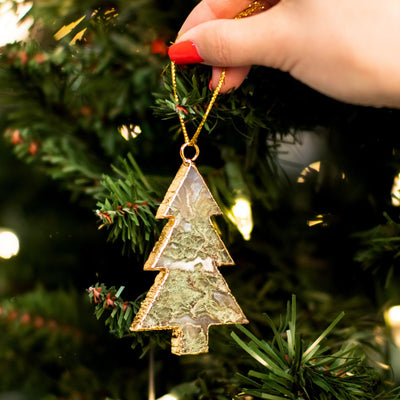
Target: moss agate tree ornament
column 189, row 293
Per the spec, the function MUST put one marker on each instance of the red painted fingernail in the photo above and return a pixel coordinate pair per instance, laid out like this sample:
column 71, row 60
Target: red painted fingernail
column 184, row 53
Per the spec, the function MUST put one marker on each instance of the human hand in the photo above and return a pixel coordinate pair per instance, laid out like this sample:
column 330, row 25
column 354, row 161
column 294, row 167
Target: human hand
column 347, row 49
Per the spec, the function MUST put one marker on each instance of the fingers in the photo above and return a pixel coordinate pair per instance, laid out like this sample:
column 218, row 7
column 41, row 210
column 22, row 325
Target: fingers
column 233, row 78
column 208, row 10
column 261, row 39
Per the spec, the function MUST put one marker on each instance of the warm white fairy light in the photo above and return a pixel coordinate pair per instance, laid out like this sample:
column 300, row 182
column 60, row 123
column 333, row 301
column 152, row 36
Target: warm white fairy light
column 319, row 219
column 382, row 365
column 396, row 191
column 313, row 166
column 11, row 27
column 137, row 130
column 394, row 315
column 130, row 131
column 241, row 216
column 393, row 320
column 168, row 397
column 9, row 244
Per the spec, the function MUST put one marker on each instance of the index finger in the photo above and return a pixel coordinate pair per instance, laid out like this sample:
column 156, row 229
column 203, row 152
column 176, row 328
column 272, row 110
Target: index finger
column 208, row 10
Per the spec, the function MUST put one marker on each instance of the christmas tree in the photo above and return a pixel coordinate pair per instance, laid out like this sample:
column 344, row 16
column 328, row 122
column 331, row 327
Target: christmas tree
column 90, row 144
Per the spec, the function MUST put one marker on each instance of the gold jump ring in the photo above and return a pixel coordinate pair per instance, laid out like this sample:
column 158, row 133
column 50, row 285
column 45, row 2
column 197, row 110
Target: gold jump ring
column 182, row 152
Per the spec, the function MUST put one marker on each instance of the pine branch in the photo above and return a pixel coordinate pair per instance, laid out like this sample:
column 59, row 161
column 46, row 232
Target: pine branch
column 38, row 312
column 289, row 368
column 72, row 138
column 32, row 324
column 268, row 101
column 61, row 104
column 192, row 92
column 127, row 206
column 120, row 316
column 121, row 312
column 380, row 247
column 194, row 96
column 36, row 120
column 41, row 333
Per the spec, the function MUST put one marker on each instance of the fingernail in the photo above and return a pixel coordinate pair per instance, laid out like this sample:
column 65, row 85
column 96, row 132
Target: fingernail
column 184, row 53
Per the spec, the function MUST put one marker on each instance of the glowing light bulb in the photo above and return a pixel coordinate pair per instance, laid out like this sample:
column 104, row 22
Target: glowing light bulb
column 396, row 191
column 393, row 320
column 168, row 397
column 9, row 244
column 393, row 316
column 319, row 219
column 316, row 166
column 11, row 27
column 128, row 131
column 241, row 216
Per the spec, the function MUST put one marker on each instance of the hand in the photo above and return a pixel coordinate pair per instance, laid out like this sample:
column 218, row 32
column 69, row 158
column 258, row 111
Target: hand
column 346, row 49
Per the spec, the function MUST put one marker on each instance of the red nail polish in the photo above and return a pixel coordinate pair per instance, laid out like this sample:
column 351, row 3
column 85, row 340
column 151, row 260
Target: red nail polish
column 184, row 53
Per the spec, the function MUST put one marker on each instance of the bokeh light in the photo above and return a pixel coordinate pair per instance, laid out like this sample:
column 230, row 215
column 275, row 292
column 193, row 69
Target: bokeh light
column 9, row 244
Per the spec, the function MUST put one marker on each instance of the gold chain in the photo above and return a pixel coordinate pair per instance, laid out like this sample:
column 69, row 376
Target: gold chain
column 254, row 7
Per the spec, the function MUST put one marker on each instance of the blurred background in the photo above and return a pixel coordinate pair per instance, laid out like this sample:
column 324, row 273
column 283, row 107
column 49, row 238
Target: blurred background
column 89, row 144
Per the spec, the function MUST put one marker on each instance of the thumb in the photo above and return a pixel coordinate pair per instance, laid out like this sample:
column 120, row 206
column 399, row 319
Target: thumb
column 262, row 39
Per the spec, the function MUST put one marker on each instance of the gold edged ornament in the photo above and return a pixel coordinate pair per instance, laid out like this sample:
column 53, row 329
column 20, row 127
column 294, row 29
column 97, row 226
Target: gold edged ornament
column 189, row 293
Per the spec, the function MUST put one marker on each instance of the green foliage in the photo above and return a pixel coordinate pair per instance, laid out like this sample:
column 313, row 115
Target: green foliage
column 61, row 106
column 380, row 247
column 35, row 343
column 63, row 102
column 193, row 94
column 121, row 314
column 289, row 368
column 127, row 206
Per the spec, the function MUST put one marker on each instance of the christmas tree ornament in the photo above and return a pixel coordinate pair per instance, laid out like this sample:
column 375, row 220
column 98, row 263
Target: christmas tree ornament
column 189, row 293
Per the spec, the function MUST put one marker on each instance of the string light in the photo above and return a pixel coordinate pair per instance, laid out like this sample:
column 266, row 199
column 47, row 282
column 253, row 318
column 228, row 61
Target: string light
column 392, row 317
column 9, row 244
column 396, row 191
column 316, row 166
column 319, row 219
column 168, row 397
column 241, row 216
column 130, row 131
column 11, row 27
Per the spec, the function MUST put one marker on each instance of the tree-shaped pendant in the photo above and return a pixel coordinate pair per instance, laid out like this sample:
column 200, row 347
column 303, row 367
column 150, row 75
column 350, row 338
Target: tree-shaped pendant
column 189, row 294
